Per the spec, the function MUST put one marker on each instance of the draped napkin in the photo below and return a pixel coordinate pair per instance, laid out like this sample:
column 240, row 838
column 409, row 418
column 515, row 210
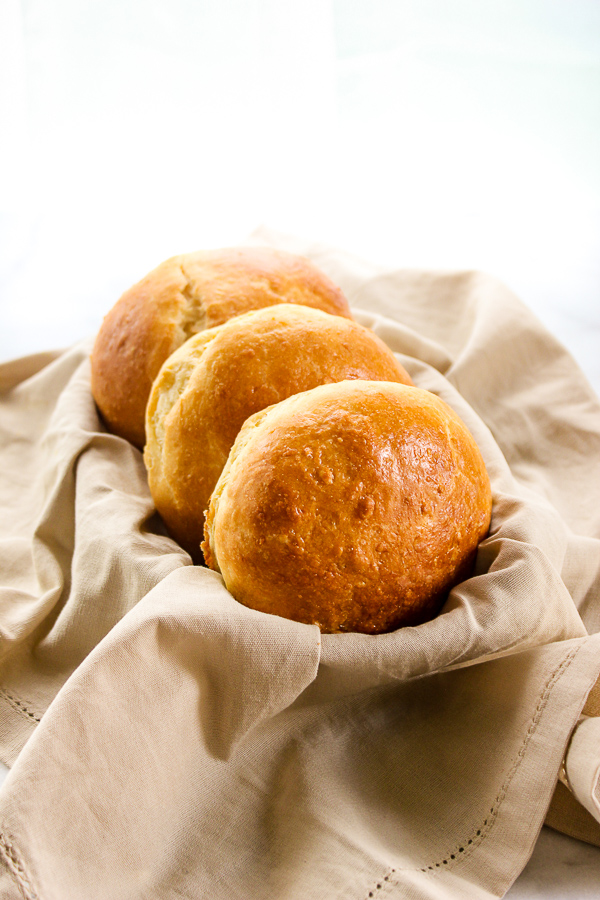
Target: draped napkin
column 166, row 742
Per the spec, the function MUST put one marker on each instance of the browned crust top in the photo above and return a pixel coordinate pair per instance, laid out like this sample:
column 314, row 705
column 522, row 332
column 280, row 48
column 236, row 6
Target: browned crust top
column 219, row 378
column 355, row 507
column 182, row 296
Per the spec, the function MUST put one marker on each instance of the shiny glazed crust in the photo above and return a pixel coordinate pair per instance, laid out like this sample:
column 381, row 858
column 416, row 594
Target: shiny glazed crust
column 181, row 297
column 354, row 506
column 207, row 389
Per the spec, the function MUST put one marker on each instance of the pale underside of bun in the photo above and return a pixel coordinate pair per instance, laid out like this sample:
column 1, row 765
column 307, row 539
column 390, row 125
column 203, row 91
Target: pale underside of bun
column 207, row 389
column 181, row 297
column 354, row 507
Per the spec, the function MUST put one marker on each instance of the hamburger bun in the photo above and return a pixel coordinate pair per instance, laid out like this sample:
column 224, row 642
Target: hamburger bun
column 354, row 506
column 207, row 389
column 183, row 296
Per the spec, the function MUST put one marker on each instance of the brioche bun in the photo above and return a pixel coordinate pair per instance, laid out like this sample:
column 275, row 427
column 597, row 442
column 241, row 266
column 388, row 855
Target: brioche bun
column 354, row 506
column 181, row 297
column 207, row 389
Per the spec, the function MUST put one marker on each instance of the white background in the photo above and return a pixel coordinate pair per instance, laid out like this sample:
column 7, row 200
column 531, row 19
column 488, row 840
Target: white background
column 461, row 134
column 410, row 132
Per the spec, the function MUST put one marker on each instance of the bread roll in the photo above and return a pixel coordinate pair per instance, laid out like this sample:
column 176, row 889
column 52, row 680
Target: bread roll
column 354, row 507
column 183, row 296
column 207, row 389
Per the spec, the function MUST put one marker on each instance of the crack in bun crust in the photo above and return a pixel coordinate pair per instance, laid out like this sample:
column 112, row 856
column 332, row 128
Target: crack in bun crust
column 354, row 506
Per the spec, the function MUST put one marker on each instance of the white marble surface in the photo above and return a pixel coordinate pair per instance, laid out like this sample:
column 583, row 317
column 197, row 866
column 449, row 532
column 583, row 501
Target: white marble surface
column 560, row 868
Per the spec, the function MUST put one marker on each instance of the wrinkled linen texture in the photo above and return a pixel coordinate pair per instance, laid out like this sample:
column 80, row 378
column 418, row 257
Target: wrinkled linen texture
column 167, row 742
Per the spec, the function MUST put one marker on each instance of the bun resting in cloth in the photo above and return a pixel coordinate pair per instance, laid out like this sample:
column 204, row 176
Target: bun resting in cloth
column 183, row 296
column 209, row 387
column 354, row 507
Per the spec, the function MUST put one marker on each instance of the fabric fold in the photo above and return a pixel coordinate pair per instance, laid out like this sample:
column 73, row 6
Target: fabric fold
column 80, row 542
column 135, row 784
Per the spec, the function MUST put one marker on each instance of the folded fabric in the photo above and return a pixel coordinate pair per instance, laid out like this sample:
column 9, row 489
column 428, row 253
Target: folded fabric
column 165, row 741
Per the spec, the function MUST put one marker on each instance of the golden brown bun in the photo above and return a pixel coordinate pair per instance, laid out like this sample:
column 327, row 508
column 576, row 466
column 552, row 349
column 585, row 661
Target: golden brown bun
column 183, row 296
column 207, row 389
column 354, row 507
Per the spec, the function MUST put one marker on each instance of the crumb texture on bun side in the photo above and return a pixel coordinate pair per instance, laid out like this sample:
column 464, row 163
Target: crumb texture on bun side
column 207, row 389
column 355, row 506
column 181, row 297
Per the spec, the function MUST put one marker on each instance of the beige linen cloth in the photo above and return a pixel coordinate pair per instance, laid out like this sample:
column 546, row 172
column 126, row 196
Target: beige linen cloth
column 167, row 742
